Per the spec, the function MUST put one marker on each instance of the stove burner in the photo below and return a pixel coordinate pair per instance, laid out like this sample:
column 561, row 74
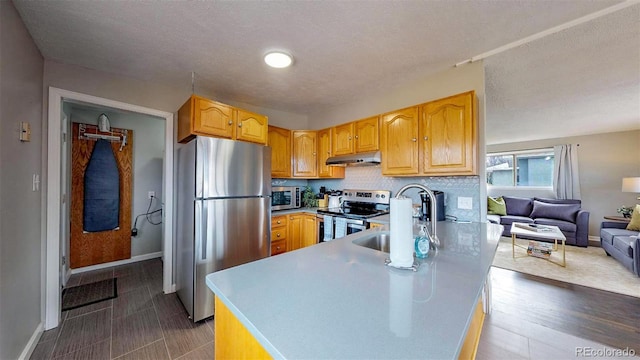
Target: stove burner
column 361, row 204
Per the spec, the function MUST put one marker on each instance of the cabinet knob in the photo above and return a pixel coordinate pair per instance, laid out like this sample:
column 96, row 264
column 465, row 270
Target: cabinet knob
column 314, row 154
column 426, row 138
column 278, row 222
column 356, row 137
column 349, row 137
column 277, row 234
column 230, row 122
column 291, row 218
column 277, row 247
column 414, row 139
column 240, row 125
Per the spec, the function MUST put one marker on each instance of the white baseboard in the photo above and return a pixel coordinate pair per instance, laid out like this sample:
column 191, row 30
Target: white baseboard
column 117, row 263
column 33, row 342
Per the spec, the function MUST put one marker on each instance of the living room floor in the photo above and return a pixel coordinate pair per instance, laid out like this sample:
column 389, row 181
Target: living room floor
column 528, row 320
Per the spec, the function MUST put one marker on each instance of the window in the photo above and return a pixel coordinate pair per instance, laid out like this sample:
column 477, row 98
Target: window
column 532, row 168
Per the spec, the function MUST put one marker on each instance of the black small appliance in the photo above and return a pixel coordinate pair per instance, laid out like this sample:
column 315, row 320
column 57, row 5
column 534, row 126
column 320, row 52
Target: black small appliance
column 426, row 205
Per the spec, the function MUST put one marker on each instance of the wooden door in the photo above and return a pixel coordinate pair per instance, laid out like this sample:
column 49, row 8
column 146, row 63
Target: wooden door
column 280, row 142
column 213, row 119
column 305, row 163
column 93, row 248
column 399, row 142
column 309, row 230
column 251, row 127
column 294, row 239
column 342, row 139
column 367, row 135
column 324, row 152
column 448, row 136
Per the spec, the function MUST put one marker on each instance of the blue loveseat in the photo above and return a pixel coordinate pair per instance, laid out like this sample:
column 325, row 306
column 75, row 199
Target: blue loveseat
column 567, row 215
column 622, row 244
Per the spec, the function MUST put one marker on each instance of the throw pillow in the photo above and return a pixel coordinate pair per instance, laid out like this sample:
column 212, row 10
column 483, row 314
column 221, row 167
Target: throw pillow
column 496, row 206
column 634, row 224
column 566, row 212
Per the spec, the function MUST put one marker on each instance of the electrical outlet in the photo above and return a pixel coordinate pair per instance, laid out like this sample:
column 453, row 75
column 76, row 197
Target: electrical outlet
column 152, row 194
column 465, row 203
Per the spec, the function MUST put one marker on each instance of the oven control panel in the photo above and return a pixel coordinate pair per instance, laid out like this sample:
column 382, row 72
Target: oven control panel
column 367, row 196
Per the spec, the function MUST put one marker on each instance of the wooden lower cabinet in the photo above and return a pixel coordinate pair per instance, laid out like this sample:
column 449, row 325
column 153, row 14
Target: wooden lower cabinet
column 294, row 239
column 279, row 234
column 292, row 231
column 309, row 230
column 233, row 341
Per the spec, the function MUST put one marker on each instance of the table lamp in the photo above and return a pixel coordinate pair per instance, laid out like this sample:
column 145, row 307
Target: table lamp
column 631, row 184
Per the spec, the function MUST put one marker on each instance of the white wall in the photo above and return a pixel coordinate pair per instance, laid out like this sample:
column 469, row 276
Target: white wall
column 21, row 249
column 603, row 160
column 148, row 154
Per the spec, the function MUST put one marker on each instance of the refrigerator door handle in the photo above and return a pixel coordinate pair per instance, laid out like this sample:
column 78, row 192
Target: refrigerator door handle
column 204, row 231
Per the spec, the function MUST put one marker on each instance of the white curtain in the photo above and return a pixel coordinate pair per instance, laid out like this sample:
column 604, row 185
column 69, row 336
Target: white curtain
column 566, row 182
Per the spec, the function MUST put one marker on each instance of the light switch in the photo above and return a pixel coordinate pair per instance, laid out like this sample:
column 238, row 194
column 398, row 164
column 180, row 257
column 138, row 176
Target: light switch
column 36, row 182
column 465, row 203
column 25, row 131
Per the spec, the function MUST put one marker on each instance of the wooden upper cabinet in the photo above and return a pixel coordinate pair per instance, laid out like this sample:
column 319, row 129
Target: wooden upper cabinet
column 324, row 152
column 280, row 141
column 201, row 116
column 343, row 142
column 305, row 162
column 251, row 127
column 448, row 133
column 399, row 142
column 367, row 135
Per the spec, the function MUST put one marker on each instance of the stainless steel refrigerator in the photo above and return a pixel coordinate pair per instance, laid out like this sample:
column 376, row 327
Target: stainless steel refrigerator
column 223, row 218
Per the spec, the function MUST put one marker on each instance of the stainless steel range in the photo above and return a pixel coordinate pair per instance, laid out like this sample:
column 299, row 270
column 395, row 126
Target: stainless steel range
column 357, row 207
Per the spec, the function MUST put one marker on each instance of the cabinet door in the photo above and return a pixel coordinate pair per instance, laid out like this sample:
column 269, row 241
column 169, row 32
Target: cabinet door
column 213, row 119
column 342, row 139
column 366, row 135
column 324, row 152
column 305, row 163
column 280, row 142
column 309, row 230
column 399, row 142
column 251, row 127
column 294, row 239
column 448, row 136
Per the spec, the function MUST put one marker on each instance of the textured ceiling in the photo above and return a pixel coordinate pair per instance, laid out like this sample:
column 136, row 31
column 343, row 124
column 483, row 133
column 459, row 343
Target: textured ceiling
column 343, row 49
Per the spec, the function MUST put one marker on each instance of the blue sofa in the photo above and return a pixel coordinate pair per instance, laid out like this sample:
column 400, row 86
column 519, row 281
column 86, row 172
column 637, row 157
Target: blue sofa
column 567, row 215
column 621, row 244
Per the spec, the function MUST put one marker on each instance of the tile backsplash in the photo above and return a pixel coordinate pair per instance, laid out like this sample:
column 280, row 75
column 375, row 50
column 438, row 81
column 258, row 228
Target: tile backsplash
column 370, row 178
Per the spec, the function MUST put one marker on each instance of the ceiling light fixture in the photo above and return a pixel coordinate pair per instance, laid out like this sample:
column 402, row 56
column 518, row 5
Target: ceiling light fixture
column 278, row 59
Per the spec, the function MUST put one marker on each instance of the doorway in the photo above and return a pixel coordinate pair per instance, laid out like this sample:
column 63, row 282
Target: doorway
column 57, row 191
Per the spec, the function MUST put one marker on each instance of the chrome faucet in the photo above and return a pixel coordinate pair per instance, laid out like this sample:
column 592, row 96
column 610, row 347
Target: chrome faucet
column 433, row 236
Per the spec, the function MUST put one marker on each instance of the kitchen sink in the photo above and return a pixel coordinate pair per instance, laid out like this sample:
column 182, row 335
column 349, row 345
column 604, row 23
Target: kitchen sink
column 379, row 241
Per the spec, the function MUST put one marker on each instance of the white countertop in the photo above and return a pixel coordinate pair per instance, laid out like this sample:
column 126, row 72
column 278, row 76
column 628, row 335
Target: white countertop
column 338, row 300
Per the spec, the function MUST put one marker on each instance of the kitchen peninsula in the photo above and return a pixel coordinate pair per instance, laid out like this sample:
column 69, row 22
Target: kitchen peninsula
column 339, row 300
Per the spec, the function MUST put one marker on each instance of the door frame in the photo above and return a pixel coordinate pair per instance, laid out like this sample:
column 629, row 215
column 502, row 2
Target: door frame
column 52, row 241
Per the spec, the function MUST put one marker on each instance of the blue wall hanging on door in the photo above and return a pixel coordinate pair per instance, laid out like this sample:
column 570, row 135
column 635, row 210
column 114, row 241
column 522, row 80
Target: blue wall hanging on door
column 101, row 190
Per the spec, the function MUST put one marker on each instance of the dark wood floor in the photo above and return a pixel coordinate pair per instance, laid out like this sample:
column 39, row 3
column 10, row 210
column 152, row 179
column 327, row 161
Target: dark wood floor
column 532, row 318
column 538, row 318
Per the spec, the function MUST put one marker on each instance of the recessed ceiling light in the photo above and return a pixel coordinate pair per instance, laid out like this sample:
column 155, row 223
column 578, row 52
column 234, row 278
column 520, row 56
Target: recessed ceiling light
column 278, row 59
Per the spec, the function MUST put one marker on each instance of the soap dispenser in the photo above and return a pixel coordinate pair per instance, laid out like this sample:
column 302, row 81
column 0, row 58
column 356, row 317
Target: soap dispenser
column 422, row 243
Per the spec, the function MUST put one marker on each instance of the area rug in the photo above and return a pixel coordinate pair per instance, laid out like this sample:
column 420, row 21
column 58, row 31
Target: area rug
column 585, row 266
column 87, row 294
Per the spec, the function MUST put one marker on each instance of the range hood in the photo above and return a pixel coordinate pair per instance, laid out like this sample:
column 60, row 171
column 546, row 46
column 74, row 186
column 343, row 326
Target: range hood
column 362, row 159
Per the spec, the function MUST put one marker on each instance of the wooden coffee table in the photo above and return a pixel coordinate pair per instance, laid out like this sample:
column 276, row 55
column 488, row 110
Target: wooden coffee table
column 554, row 234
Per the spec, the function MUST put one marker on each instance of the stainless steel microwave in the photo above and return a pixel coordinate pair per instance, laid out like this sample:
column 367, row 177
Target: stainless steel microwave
column 285, row 197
